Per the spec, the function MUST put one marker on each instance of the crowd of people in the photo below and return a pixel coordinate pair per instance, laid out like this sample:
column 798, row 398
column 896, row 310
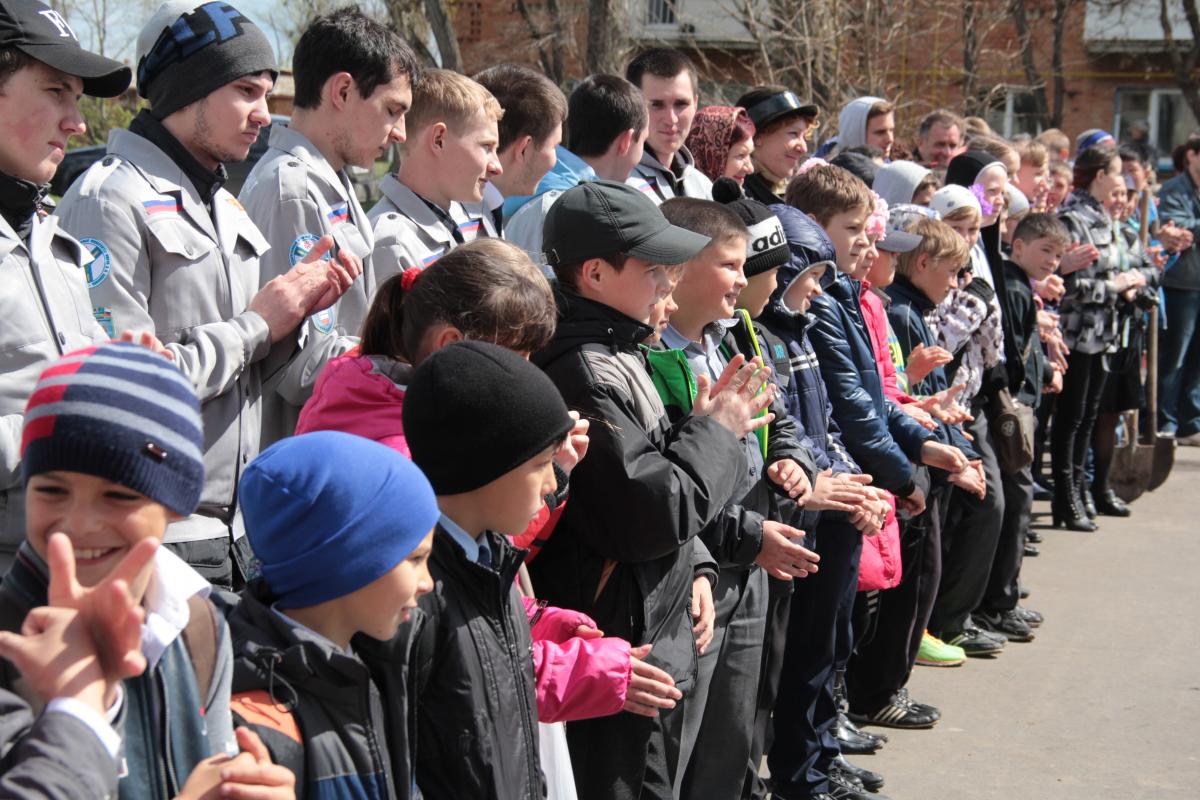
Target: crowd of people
column 621, row 445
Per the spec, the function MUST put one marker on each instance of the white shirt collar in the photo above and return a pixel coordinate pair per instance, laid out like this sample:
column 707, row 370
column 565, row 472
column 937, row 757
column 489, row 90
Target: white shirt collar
column 172, row 584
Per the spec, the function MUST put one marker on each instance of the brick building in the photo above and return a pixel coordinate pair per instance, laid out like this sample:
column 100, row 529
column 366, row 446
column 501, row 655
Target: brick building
column 1115, row 67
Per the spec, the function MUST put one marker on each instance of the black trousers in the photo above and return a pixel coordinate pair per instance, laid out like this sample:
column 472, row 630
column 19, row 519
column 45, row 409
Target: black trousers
column 779, row 608
column 969, row 539
column 1075, row 414
column 805, row 711
column 1002, row 593
column 886, row 652
column 626, row 756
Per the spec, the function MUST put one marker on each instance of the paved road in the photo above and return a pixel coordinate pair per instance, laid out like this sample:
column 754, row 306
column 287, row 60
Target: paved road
column 1106, row 702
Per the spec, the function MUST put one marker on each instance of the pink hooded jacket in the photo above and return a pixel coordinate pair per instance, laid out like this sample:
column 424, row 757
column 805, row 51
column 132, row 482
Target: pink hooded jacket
column 576, row 677
column 879, row 566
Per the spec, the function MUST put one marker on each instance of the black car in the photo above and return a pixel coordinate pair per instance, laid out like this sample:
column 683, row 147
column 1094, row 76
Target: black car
column 77, row 161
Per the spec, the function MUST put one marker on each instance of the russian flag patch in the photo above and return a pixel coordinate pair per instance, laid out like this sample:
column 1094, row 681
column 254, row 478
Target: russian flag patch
column 339, row 214
column 161, row 205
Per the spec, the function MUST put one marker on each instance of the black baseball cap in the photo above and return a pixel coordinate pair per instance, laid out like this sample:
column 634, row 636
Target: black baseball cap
column 42, row 33
column 602, row 218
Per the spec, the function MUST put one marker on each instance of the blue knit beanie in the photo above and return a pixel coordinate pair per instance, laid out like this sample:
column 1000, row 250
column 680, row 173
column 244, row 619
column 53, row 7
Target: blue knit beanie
column 328, row 513
column 123, row 413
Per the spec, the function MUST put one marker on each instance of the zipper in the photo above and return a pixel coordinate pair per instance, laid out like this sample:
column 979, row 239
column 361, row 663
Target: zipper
column 167, row 756
column 510, row 641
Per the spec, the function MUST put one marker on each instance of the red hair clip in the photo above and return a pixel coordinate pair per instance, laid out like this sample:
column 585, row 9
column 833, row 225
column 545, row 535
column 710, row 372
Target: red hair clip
column 409, row 277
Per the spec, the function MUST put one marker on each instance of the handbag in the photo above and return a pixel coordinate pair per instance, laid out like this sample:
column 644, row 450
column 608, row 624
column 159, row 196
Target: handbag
column 1014, row 428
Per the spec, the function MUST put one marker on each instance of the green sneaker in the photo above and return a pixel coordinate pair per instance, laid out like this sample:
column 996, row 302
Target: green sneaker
column 936, row 653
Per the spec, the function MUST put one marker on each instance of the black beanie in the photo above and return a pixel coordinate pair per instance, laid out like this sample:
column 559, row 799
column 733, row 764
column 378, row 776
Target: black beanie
column 475, row 411
column 767, row 247
column 964, row 168
column 189, row 49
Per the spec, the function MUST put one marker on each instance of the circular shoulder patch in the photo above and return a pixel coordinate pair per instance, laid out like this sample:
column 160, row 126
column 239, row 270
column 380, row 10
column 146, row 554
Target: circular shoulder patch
column 101, row 265
column 323, row 320
column 304, row 242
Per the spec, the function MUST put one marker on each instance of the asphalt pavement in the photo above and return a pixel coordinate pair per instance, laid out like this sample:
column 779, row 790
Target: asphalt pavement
column 1105, row 703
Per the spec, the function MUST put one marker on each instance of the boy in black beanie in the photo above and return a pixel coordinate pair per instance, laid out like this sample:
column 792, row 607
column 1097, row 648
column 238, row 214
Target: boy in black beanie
column 477, row 714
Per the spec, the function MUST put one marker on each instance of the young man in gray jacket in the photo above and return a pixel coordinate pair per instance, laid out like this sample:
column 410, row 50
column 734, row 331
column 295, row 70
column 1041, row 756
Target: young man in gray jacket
column 44, row 301
column 353, row 87
column 179, row 256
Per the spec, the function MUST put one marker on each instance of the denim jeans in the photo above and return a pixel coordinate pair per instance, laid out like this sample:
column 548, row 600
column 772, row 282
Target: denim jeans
column 1179, row 364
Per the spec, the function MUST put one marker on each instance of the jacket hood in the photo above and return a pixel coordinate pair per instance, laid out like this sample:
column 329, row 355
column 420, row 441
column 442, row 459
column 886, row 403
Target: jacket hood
column 808, row 244
column 965, row 168
column 852, row 122
column 896, row 182
column 902, row 290
column 683, row 158
column 568, row 171
column 362, row 395
column 582, row 321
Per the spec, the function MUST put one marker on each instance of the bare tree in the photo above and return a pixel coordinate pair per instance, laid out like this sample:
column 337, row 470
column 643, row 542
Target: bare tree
column 1185, row 59
column 551, row 26
column 607, row 33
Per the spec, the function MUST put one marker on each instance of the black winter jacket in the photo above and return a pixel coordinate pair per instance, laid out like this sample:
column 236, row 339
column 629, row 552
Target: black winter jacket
column 342, row 717
column 625, row 550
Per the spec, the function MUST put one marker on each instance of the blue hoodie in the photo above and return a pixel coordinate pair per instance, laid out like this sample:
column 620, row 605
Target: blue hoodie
column 568, row 171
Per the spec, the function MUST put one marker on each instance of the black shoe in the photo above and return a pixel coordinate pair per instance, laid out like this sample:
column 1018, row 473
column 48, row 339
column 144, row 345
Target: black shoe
column 1067, row 518
column 1108, row 504
column 1023, row 592
column 854, row 741
column 841, row 787
column 899, row 713
column 1067, row 510
column 1008, row 624
column 871, row 781
column 1034, row 536
column 1032, row 618
column 1089, row 503
column 923, row 708
column 974, row 641
column 1031, row 551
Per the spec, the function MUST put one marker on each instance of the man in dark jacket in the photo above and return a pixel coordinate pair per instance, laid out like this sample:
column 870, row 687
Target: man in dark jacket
column 625, row 550
column 1179, row 359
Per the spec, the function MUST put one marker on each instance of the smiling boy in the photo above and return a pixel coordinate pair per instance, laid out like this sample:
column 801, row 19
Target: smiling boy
column 448, row 158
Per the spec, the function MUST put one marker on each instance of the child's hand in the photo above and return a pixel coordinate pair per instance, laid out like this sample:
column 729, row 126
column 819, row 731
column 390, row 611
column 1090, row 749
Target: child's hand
column 924, row 360
column 1051, row 289
column 918, row 413
column 735, row 400
column 914, row 504
column 588, row 632
column 575, row 446
column 835, row 494
column 944, row 406
column 149, row 341
column 971, row 480
column 1078, row 256
column 704, row 613
column 1055, row 385
column 649, row 687
column 787, row 475
column 112, row 613
column 943, row 456
column 256, row 778
column 56, row 654
column 781, row 554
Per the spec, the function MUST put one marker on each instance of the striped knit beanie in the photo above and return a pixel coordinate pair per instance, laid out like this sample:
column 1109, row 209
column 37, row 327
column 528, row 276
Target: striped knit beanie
column 121, row 412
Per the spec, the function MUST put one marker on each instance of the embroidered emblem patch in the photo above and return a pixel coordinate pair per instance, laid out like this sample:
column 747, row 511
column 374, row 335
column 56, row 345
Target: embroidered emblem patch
column 101, row 265
column 299, row 249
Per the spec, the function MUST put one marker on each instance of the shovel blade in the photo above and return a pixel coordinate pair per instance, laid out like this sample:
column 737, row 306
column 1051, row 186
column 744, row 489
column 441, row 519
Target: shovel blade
column 1164, row 459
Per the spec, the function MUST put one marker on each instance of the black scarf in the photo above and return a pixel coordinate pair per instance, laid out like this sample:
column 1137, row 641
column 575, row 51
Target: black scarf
column 19, row 202
column 206, row 181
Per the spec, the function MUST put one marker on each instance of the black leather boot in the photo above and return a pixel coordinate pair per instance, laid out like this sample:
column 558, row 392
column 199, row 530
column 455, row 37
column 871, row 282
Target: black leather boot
column 1067, row 507
column 1108, row 504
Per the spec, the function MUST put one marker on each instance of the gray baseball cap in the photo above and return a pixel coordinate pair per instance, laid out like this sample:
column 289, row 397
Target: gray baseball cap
column 602, row 218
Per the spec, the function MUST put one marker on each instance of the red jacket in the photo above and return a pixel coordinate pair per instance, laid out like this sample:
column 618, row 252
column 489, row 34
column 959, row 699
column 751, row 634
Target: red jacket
column 879, row 566
column 576, row 678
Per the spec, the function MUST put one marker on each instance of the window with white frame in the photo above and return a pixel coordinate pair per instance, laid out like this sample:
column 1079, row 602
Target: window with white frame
column 662, row 13
column 1164, row 110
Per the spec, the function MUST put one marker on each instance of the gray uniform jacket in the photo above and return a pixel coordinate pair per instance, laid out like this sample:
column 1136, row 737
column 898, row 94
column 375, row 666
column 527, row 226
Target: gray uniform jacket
column 44, row 313
column 409, row 234
column 53, row 757
column 294, row 197
column 170, row 267
column 660, row 183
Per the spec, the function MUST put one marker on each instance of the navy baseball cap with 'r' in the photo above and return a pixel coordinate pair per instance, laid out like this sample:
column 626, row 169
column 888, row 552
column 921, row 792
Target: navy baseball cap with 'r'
column 42, row 33
column 597, row 219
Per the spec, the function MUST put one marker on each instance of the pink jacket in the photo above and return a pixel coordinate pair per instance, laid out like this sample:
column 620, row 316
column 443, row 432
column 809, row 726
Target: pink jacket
column 879, row 566
column 576, row 678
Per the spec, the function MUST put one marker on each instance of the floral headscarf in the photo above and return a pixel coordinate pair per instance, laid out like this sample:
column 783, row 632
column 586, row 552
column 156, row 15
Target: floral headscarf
column 709, row 139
